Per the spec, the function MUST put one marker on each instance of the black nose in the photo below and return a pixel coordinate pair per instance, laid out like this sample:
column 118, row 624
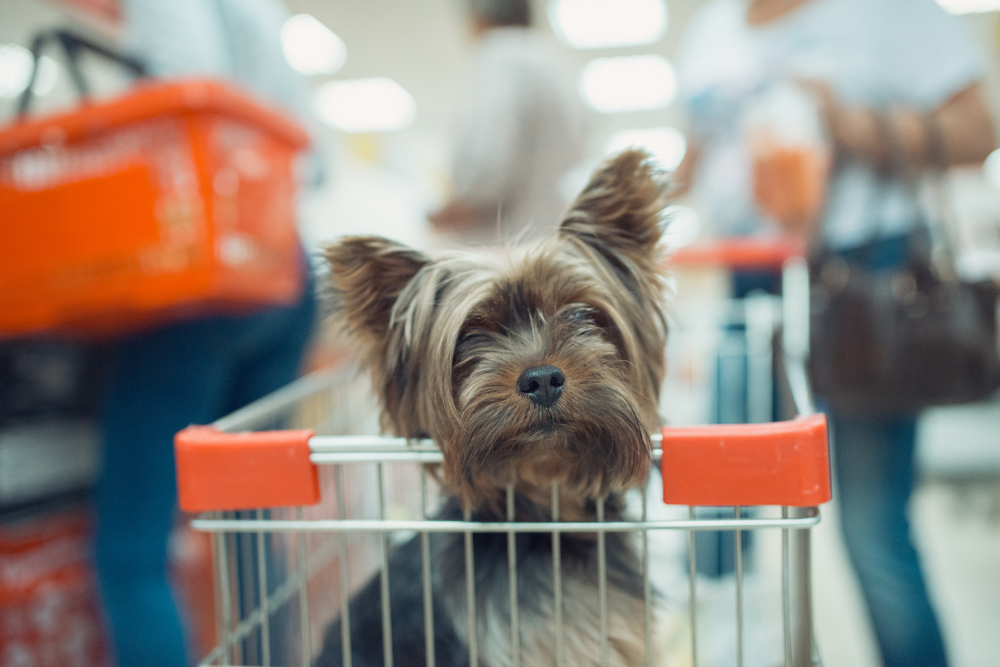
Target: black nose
column 542, row 384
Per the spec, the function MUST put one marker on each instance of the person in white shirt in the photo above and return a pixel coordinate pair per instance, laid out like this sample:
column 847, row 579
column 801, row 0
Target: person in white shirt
column 522, row 129
column 884, row 73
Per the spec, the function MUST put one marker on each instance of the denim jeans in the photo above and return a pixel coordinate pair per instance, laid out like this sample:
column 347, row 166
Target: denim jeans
column 158, row 383
column 873, row 463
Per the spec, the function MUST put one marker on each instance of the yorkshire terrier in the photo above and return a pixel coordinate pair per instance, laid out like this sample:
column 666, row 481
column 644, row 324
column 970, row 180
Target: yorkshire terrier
column 538, row 369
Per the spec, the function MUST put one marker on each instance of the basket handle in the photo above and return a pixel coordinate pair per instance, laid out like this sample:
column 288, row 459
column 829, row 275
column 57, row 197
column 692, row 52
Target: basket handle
column 778, row 463
column 233, row 471
column 72, row 45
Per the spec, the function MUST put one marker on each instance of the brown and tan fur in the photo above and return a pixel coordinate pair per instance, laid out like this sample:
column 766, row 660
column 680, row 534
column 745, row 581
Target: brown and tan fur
column 446, row 341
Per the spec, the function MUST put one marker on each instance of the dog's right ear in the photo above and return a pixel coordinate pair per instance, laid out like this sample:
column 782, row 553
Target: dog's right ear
column 368, row 273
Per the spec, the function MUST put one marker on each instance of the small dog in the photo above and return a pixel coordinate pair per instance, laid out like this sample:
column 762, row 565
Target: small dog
column 541, row 369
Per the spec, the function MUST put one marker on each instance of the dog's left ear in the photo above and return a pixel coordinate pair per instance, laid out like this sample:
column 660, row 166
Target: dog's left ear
column 619, row 210
column 368, row 273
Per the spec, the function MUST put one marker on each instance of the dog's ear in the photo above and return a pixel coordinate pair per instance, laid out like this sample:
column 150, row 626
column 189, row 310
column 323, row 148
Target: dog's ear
column 619, row 210
column 368, row 273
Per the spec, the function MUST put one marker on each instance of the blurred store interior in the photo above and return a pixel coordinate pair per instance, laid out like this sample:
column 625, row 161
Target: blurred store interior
column 385, row 81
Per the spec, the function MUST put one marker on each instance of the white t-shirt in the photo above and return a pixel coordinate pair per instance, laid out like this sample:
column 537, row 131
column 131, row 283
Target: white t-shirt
column 874, row 53
column 238, row 40
column 522, row 130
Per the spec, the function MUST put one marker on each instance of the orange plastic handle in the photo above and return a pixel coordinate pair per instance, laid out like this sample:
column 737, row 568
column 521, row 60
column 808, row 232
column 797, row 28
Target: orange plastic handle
column 779, row 463
column 231, row 471
column 740, row 253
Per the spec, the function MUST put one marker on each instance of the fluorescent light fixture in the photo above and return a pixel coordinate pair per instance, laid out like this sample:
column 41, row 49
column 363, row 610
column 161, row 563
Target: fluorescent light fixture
column 365, row 105
column 601, row 24
column 15, row 69
column 666, row 144
column 310, row 47
column 628, row 83
column 969, row 6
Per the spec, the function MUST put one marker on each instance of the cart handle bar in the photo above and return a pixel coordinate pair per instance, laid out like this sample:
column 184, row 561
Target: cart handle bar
column 779, row 463
column 745, row 252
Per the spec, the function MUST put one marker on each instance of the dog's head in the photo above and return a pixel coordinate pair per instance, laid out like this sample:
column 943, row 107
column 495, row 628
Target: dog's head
column 541, row 367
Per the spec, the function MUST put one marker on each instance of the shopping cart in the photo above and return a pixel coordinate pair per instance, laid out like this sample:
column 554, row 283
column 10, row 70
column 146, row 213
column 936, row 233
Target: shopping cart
column 305, row 513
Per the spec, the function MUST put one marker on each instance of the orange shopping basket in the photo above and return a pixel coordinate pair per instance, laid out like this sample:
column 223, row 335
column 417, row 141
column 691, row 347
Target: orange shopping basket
column 171, row 200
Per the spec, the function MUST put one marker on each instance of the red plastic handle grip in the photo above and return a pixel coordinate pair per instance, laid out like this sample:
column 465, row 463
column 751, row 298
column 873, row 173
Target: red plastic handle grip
column 779, row 463
column 740, row 253
column 230, row 471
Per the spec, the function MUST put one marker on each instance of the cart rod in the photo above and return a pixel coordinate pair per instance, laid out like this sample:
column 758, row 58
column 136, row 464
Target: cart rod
column 323, row 453
column 808, row 520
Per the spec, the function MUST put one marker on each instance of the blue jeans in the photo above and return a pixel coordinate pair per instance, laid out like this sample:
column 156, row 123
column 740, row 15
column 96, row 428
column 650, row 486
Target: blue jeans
column 873, row 460
column 160, row 382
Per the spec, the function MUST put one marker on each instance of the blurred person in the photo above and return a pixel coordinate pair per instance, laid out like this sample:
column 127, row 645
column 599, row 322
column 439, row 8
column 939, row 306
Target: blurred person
column 522, row 129
column 888, row 75
column 191, row 372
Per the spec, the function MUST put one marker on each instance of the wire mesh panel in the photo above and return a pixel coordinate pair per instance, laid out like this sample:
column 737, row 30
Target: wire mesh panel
column 286, row 575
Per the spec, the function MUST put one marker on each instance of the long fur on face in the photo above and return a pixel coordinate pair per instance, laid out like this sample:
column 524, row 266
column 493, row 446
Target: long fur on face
column 446, row 340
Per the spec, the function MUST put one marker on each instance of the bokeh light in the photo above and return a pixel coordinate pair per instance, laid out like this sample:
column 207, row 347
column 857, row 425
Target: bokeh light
column 628, row 83
column 667, row 145
column 378, row 104
column 310, row 47
column 597, row 24
column 969, row 6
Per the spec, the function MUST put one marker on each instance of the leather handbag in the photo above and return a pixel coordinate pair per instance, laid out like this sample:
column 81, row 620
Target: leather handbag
column 898, row 340
column 896, row 334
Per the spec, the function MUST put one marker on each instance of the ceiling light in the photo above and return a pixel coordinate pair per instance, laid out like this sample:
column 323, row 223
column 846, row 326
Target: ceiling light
column 628, row 83
column 365, row 105
column 969, row 6
column 666, row 144
column 15, row 69
column 310, row 47
column 596, row 24
column 16, row 63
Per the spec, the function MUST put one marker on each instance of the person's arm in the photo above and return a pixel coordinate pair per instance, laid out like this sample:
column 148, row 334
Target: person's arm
column 965, row 130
